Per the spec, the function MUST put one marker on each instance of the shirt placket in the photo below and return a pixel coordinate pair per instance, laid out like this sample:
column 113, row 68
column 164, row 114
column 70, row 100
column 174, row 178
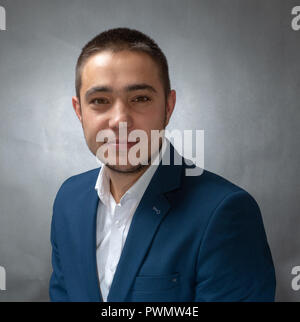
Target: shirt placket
column 115, row 244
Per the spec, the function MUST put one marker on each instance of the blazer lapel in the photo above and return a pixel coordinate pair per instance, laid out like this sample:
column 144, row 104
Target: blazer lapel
column 87, row 222
column 143, row 227
column 145, row 222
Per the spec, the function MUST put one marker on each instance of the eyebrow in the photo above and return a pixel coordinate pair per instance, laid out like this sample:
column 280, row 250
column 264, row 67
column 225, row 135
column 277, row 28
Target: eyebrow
column 129, row 88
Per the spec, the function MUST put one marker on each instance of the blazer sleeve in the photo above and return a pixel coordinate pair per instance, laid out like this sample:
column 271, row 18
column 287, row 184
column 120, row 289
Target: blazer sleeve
column 234, row 260
column 57, row 288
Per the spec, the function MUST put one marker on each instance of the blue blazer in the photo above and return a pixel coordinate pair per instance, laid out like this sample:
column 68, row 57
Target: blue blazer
column 192, row 238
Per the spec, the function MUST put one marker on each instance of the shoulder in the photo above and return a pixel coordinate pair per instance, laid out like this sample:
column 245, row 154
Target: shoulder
column 75, row 184
column 84, row 178
column 213, row 190
column 210, row 183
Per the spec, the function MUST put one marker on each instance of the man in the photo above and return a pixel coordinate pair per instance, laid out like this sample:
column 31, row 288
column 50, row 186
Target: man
column 146, row 231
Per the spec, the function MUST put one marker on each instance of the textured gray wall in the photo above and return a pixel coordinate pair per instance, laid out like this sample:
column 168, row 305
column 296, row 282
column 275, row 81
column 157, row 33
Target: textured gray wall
column 235, row 66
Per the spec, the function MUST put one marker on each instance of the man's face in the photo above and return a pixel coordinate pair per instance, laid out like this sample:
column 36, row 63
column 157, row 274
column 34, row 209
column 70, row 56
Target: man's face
column 122, row 87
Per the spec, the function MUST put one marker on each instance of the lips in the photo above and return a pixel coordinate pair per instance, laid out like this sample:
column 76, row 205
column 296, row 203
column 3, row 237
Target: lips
column 121, row 145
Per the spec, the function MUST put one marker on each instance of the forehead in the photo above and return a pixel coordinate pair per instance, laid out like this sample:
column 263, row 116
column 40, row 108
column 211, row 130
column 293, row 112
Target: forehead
column 120, row 69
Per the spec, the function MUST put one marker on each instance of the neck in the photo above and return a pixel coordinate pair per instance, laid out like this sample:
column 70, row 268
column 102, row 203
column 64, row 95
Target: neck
column 120, row 182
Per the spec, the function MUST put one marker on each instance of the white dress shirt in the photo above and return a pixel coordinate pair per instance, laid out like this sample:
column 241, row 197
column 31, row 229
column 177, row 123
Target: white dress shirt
column 113, row 220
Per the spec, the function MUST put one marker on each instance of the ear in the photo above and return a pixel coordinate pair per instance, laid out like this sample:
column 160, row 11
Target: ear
column 170, row 104
column 77, row 108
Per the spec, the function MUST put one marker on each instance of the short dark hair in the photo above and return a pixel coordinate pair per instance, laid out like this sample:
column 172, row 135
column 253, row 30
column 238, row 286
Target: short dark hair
column 119, row 39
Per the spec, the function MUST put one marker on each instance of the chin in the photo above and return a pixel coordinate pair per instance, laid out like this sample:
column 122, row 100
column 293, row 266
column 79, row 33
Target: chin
column 126, row 168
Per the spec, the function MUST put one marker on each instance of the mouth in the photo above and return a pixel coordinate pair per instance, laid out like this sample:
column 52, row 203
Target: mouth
column 121, row 145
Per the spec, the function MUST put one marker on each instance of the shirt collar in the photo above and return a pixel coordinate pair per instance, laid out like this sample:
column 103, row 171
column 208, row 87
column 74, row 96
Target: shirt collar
column 137, row 190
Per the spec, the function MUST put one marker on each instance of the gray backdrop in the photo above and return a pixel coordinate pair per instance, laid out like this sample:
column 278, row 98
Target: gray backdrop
column 235, row 66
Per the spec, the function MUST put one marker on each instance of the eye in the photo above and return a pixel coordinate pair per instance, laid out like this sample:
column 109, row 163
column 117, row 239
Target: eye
column 98, row 101
column 142, row 99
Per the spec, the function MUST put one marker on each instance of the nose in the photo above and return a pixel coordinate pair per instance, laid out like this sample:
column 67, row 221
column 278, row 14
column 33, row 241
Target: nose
column 120, row 113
